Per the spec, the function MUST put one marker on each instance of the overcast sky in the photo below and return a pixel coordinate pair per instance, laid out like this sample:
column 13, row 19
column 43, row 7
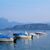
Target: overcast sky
column 25, row 11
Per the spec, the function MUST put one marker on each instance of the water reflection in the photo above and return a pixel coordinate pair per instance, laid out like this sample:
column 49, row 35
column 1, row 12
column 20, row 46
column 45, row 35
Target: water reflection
column 7, row 45
column 27, row 42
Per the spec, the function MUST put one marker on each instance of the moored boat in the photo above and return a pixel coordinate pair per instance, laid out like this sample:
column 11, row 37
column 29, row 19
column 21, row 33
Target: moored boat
column 5, row 38
column 40, row 33
column 23, row 35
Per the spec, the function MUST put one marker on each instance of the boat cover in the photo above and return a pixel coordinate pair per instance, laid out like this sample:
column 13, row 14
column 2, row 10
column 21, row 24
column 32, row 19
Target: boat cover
column 18, row 34
column 4, row 36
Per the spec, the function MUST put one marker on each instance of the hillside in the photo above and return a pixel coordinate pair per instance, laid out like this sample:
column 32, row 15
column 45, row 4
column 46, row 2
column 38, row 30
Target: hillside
column 38, row 26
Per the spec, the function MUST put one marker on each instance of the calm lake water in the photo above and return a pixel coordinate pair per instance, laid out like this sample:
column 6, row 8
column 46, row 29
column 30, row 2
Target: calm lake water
column 43, row 43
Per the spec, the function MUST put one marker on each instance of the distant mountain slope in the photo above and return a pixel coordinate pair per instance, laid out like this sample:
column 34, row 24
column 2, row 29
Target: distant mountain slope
column 4, row 23
column 38, row 26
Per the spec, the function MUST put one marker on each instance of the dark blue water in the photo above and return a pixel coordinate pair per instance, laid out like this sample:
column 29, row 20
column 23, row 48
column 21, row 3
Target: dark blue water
column 42, row 43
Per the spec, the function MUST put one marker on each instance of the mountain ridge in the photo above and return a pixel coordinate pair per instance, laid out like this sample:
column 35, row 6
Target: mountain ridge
column 38, row 26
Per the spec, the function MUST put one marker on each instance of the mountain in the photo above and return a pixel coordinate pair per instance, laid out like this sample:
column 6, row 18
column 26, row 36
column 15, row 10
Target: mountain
column 37, row 26
column 4, row 23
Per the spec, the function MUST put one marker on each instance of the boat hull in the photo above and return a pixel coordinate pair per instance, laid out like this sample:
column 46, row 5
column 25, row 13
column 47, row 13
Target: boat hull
column 6, row 39
column 24, row 37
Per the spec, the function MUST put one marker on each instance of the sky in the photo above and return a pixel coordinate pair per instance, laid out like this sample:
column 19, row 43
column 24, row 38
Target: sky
column 25, row 11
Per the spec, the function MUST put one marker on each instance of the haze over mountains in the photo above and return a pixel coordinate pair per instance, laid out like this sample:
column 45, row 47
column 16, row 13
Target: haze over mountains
column 4, row 23
column 38, row 26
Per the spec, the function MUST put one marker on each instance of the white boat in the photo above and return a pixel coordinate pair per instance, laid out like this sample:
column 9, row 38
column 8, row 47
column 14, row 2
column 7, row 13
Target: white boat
column 23, row 35
column 5, row 38
column 40, row 33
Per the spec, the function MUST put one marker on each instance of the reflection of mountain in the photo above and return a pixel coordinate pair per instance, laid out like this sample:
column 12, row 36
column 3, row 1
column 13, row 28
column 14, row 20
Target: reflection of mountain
column 4, row 23
column 37, row 26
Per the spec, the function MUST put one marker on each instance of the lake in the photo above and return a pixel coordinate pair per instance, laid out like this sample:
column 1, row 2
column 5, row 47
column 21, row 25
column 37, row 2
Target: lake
column 43, row 43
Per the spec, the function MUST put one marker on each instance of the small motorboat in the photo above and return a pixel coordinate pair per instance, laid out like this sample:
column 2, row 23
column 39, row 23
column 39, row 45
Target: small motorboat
column 4, row 38
column 23, row 35
column 40, row 33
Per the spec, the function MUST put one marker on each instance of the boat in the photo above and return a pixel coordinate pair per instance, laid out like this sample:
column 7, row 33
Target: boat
column 4, row 38
column 23, row 35
column 40, row 33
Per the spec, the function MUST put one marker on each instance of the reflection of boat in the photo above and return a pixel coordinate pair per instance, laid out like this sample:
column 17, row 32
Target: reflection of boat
column 5, row 38
column 23, row 35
